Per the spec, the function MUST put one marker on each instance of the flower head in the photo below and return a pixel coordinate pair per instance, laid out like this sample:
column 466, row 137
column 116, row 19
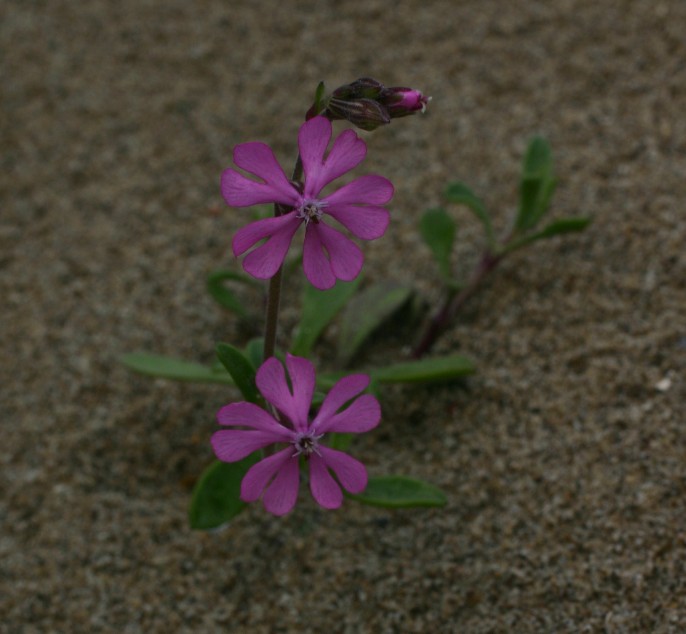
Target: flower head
column 328, row 254
column 277, row 477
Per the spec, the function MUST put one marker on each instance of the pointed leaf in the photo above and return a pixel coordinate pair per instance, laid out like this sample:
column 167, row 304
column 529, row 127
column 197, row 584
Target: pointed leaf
column 564, row 225
column 223, row 295
column 400, row 492
column 216, row 496
column 537, row 184
column 318, row 309
column 254, row 352
column 241, row 370
column 438, row 230
column 318, row 96
column 425, row 370
column 366, row 312
column 169, row 368
column 460, row 194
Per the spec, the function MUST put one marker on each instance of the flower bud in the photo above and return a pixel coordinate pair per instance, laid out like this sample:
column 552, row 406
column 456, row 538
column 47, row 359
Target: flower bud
column 368, row 104
column 364, row 113
column 362, row 88
column 401, row 102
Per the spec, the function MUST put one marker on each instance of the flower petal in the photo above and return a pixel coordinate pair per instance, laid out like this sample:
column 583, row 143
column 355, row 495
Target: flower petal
column 324, row 488
column 231, row 445
column 369, row 190
column 344, row 255
column 250, row 415
column 315, row 262
column 302, row 376
column 259, row 475
column 281, row 494
column 367, row 223
column 240, row 191
column 271, row 381
column 362, row 415
column 313, row 139
column 258, row 159
column 348, row 152
column 265, row 260
column 351, row 473
column 343, row 391
column 251, row 234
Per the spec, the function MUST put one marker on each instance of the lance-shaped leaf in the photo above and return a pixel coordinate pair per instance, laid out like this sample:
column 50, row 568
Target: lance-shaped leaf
column 157, row 365
column 400, row 492
column 460, row 194
column 564, row 225
column 216, row 496
column 424, row 370
column 241, row 370
column 226, row 297
column 558, row 227
column 254, row 352
column 438, row 230
column 318, row 309
column 432, row 370
column 366, row 312
column 537, row 184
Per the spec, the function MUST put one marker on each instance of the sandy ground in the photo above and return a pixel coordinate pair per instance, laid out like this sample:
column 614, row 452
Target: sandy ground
column 563, row 460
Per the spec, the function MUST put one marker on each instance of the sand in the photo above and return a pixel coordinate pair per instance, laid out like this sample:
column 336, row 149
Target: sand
column 562, row 458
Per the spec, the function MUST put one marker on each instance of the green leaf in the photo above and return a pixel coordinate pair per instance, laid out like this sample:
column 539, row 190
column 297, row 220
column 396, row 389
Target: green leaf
column 254, row 352
column 169, row 368
column 424, row 370
column 216, row 496
column 339, row 440
column 564, row 225
column 439, row 369
column 224, row 296
column 400, row 492
column 318, row 96
column 438, row 230
column 318, row 309
column 460, row 194
column 241, row 370
column 366, row 312
column 537, row 184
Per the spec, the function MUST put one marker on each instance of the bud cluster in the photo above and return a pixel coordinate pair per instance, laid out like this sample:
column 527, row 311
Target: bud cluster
column 369, row 104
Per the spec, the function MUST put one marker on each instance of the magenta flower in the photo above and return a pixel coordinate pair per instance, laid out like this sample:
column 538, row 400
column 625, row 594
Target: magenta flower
column 277, row 477
column 405, row 101
column 327, row 253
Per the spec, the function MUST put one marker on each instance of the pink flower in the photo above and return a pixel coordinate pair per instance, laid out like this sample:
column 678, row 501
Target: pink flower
column 405, row 101
column 277, row 477
column 327, row 253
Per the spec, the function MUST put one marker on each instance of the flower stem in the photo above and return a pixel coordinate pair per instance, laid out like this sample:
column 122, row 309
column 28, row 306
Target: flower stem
column 274, row 293
column 271, row 322
column 454, row 302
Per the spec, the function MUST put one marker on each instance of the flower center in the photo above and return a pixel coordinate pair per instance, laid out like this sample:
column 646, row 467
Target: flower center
column 311, row 209
column 306, row 444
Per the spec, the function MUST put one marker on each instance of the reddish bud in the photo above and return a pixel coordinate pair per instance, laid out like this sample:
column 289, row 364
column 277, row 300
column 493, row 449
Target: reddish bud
column 404, row 101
